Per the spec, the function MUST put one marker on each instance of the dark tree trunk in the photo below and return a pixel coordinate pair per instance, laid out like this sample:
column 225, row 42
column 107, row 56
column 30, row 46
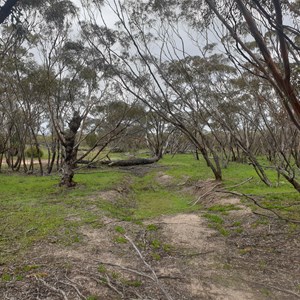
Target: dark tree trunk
column 290, row 179
column 52, row 155
column 1, row 160
column 259, row 170
column 215, row 169
column 70, row 151
column 197, row 154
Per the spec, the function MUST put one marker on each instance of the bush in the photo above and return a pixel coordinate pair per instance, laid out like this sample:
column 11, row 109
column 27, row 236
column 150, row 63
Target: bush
column 33, row 152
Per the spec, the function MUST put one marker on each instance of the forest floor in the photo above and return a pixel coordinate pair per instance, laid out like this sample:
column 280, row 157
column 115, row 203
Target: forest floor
column 218, row 248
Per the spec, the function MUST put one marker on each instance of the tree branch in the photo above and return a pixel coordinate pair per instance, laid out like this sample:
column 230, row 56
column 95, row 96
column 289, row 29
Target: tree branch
column 7, row 9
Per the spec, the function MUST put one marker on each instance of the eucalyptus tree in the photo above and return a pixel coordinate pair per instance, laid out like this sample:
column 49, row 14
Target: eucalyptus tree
column 21, row 112
column 265, row 35
column 158, row 133
column 140, row 66
column 152, row 60
column 76, row 83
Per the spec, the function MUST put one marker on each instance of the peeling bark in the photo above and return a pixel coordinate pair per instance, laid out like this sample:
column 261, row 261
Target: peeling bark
column 70, row 151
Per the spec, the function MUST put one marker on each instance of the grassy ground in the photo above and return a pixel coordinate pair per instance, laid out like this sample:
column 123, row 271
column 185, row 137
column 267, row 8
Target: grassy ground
column 35, row 208
column 281, row 196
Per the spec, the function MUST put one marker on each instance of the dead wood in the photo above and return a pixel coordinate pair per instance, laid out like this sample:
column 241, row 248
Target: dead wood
column 52, row 288
column 154, row 277
column 128, row 269
column 206, row 193
column 259, row 205
column 133, row 162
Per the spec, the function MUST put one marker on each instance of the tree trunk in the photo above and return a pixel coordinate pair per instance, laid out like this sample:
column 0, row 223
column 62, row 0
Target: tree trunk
column 70, row 151
column 290, row 179
column 216, row 170
column 259, row 170
column 1, row 160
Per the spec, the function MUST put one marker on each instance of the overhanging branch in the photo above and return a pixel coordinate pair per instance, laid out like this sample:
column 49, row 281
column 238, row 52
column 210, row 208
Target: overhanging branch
column 7, row 9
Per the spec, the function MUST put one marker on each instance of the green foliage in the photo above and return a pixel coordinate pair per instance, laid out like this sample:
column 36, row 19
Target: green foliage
column 92, row 298
column 156, row 256
column 120, row 229
column 120, row 240
column 91, row 139
column 134, row 283
column 281, row 196
column 102, row 269
column 216, row 222
column 155, row 244
column 34, row 152
column 167, row 248
column 6, row 277
column 152, row 227
column 214, row 218
column 184, row 165
column 29, row 268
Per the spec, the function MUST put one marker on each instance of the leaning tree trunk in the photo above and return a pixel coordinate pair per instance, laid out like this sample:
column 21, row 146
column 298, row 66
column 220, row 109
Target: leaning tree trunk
column 70, row 152
column 290, row 178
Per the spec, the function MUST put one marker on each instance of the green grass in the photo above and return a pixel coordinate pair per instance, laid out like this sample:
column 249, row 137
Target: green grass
column 34, row 208
column 282, row 197
column 154, row 200
column 184, row 165
column 214, row 218
column 216, row 222
column 120, row 240
column 120, row 229
column 223, row 208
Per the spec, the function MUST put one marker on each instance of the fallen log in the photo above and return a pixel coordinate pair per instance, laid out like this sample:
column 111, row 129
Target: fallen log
column 133, row 162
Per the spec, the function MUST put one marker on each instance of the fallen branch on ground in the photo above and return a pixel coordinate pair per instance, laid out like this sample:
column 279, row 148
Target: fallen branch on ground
column 154, row 278
column 206, row 193
column 133, row 162
column 127, row 269
column 74, row 285
column 52, row 288
column 239, row 184
column 112, row 287
column 259, row 205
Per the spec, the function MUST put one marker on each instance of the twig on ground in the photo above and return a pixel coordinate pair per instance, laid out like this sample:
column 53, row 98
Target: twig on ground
column 52, row 288
column 241, row 183
column 112, row 287
column 205, row 194
column 74, row 285
column 197, row 254
column 127, row 269
column 259, row 205
column 154, row 278
column 274, row 287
